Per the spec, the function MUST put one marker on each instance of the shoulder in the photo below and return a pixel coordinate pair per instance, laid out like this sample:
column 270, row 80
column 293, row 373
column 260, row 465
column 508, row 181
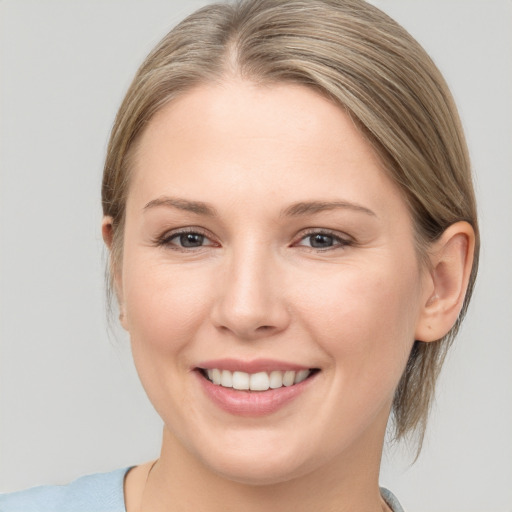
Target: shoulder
column 102, row 492
column 391, row 500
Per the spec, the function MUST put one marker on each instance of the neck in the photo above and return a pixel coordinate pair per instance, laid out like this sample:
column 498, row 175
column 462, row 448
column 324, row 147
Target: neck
column 179, row 481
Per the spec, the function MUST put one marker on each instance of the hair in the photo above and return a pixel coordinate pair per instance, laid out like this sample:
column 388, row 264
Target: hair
column 354, row 54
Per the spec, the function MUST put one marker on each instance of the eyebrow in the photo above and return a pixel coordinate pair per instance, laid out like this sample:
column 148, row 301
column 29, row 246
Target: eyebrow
column 294, row 210
column 197, row 207
column 312, row 207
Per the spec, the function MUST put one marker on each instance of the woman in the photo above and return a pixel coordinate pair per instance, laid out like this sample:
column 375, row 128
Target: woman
column 293, row 243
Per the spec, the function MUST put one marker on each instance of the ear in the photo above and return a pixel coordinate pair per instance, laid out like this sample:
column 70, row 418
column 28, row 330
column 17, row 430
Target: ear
column 107, row 232
column 451, row 260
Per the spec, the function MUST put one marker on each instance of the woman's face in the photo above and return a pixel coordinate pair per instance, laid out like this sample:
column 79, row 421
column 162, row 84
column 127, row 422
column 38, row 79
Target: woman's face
column 263, row 237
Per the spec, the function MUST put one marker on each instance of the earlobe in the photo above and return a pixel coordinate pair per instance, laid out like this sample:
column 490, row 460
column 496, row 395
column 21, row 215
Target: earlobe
column 122, row 317
column 451, row 259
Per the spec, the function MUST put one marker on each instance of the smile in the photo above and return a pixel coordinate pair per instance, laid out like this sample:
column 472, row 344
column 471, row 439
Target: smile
column 260, row 381
column 253, row 388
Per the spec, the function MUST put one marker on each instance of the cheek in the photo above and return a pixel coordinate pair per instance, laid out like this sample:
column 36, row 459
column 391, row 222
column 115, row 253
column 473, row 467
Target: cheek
column 163, row 304
column 164, row 309
column 365, row 317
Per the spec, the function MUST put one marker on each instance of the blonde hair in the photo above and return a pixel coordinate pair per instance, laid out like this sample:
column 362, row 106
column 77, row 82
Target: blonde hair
column 371, row 67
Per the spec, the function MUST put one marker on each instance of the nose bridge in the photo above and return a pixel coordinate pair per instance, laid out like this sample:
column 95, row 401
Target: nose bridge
column 250, row 303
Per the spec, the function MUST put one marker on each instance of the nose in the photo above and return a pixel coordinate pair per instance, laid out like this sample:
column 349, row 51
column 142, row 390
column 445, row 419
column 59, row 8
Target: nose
column 250, row 299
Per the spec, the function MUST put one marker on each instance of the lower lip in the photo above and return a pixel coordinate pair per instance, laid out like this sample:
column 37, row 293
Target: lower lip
column 252, row 403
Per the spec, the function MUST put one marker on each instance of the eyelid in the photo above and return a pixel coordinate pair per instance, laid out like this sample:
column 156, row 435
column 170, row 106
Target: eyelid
column 165, row 238
column 342, row 239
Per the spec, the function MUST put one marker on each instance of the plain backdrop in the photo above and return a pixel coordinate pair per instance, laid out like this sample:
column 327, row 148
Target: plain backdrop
column 70, row 401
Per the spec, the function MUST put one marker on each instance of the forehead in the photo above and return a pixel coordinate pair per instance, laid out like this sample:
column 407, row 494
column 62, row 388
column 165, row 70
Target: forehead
column 241, row 109
column 282, row 139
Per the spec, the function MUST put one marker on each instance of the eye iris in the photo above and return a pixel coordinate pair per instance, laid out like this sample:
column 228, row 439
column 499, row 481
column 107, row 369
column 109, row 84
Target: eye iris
column 319, row 241
column 191, row 240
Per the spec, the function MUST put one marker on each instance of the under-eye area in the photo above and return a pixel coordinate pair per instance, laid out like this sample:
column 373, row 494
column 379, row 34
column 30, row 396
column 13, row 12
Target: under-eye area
column 260, row 381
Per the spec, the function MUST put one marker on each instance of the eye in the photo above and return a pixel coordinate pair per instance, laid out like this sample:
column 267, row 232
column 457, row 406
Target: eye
column 323, row 240
column 189, row 239
column 185, row 240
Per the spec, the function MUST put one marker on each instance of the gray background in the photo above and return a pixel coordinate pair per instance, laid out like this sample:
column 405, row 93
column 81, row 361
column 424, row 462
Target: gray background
column 70, row 402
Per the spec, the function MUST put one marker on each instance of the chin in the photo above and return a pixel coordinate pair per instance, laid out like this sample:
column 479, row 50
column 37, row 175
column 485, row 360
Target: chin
column 255, row 474
column 258, row 466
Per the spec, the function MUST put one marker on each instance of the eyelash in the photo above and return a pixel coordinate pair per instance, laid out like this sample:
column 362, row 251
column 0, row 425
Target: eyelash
column 166, row 239
column 338, row 241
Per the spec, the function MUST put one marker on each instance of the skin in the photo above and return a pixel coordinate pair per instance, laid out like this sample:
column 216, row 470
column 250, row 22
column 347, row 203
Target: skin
column 256, row 288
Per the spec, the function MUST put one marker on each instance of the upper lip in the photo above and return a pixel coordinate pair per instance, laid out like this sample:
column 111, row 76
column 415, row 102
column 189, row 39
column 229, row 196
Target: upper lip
column 253, row 366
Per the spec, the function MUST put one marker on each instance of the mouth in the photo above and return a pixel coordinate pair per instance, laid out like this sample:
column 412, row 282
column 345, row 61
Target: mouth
column 254, row 388
column 258, row 381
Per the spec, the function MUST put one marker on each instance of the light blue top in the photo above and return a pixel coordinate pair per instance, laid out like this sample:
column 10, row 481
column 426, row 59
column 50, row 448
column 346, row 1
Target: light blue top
column 102, row 492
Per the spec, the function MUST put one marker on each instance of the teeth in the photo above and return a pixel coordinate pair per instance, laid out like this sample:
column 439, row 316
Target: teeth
column 260, row 381
column 288, row 378
column 226, row 379
column 276, row 380
column 216, row 376
column 301, row 375
column 240, row 380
